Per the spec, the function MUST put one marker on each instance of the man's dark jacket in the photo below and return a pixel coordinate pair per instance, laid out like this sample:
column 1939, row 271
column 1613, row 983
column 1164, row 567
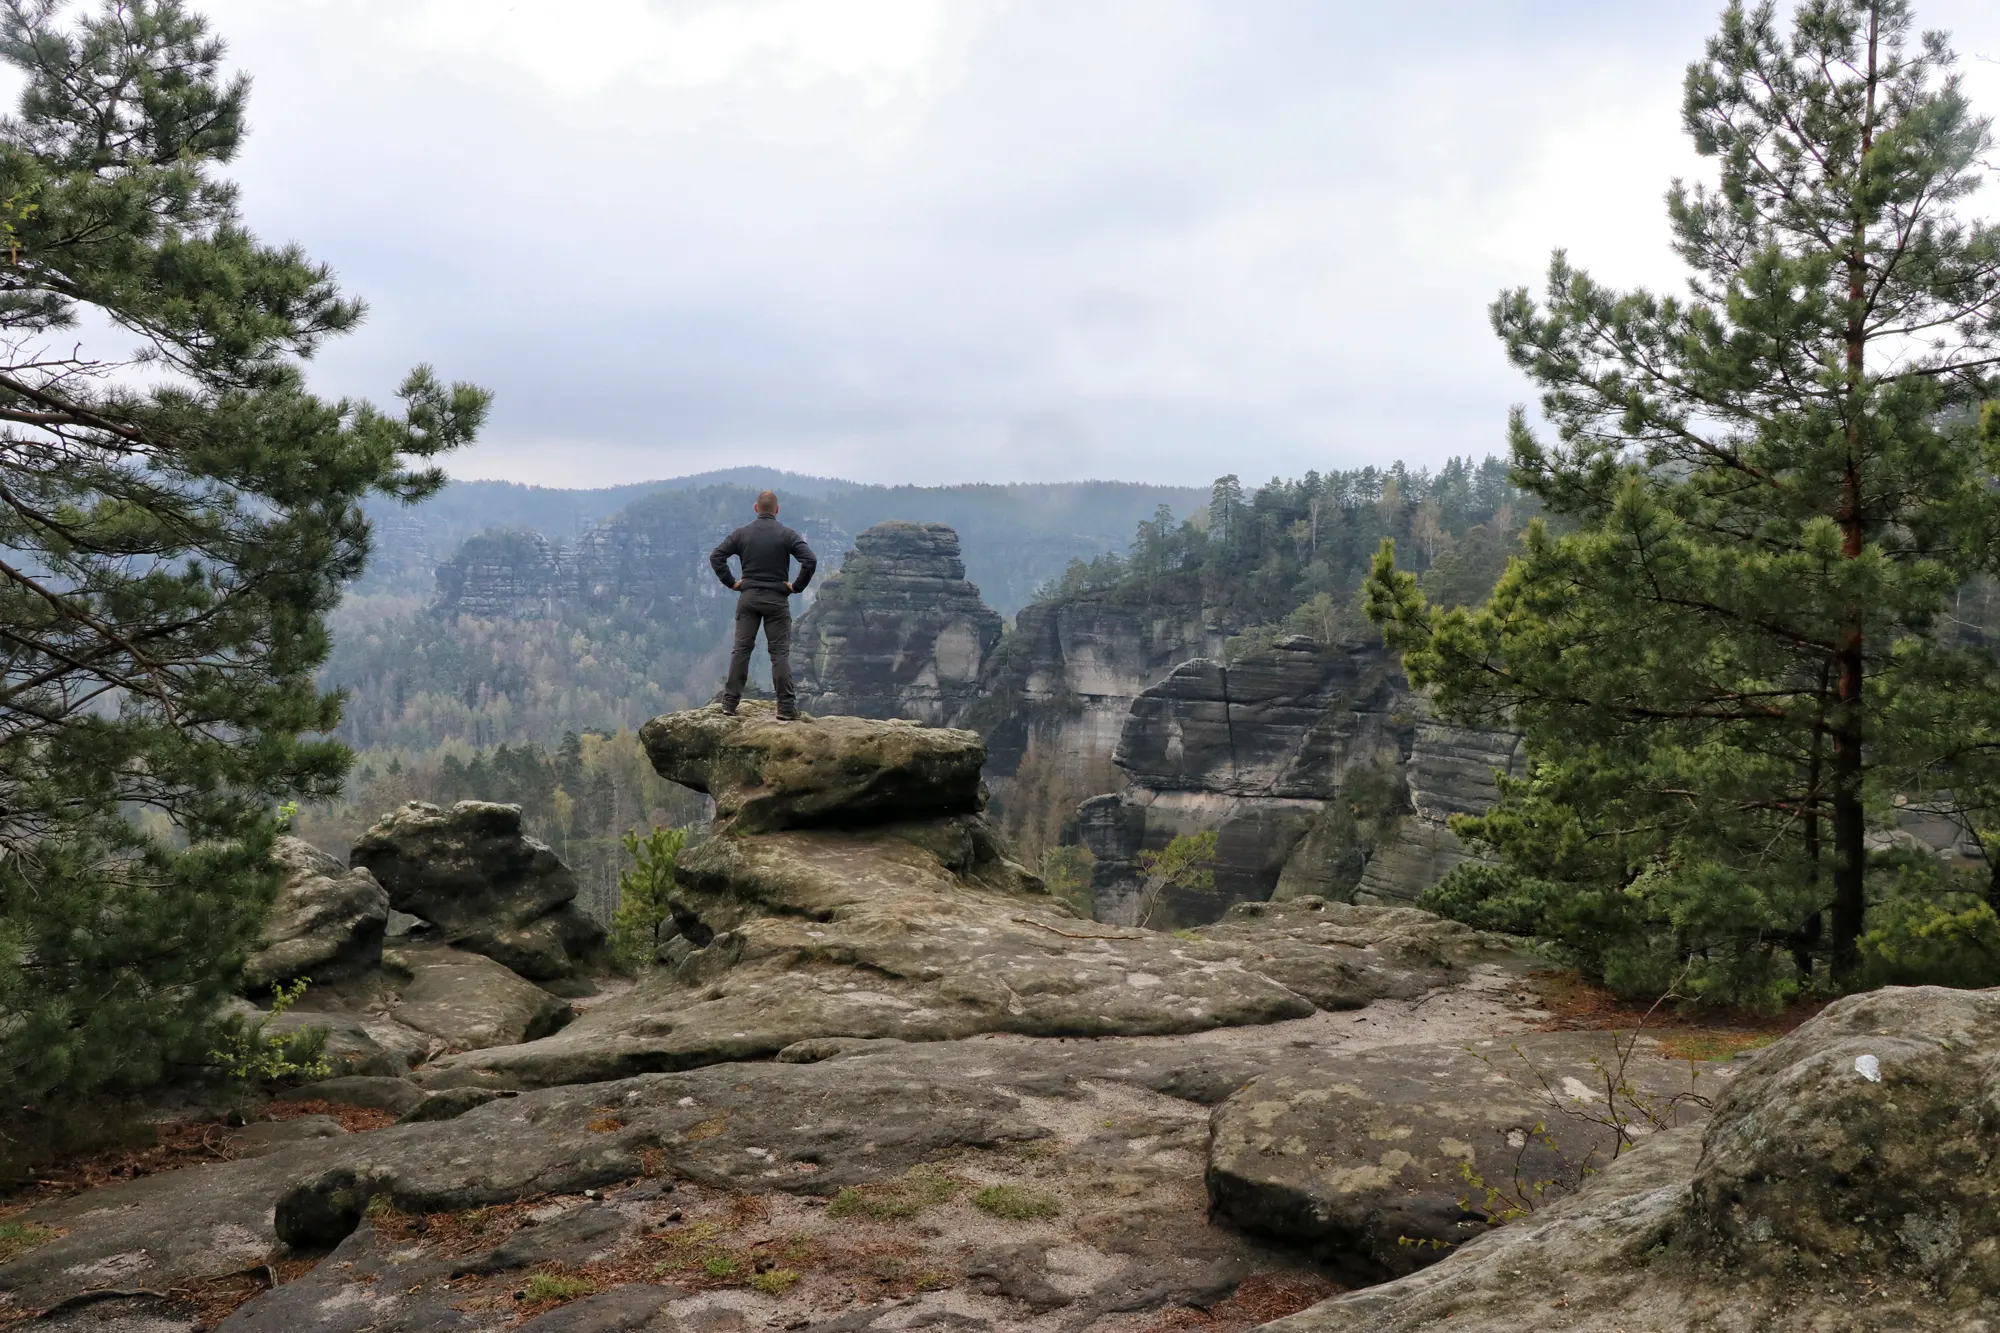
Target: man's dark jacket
column 766, row 547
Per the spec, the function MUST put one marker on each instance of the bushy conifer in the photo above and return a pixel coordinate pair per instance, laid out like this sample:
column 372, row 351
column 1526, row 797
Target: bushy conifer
column 174, row 527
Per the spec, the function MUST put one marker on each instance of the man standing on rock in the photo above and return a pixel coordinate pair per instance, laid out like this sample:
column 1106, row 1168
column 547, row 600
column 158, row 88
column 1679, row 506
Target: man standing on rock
column 765, row 548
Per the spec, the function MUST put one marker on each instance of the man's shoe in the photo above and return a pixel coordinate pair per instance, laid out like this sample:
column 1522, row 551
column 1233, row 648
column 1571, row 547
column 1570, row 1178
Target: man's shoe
column 729, row 710
column 788, row 715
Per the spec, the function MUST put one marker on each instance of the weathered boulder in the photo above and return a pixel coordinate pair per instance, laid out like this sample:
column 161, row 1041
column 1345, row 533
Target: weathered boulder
column 1384, row 1161
column 326, row 924
column 423, row 1000
column 898, row 632
column 1844, row 1182
column 764, row 774
column 467, row 1000
column 486, row 885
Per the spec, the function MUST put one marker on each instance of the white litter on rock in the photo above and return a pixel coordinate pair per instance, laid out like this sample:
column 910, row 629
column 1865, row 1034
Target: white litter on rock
column 1868, row 1067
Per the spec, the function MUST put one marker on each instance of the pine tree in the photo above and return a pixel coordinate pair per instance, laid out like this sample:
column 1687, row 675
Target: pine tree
column 170, row 544
column 1772, row 486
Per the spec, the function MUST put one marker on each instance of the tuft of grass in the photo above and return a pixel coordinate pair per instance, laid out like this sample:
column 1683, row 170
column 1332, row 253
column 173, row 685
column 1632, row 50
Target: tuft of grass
column 1014, row 1203
column 894, row 1200
column 554, row 1288
column 18, row 1238
column 719, row 1265
column 776, row 1282
column 1699, row 1045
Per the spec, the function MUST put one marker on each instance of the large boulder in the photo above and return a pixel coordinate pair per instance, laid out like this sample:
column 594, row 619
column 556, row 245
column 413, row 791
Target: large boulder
column 486, row 885
column 1845, row 1182
column 765, row 774
column 326, row 925
column 468, row 1001
column 1384, row 1161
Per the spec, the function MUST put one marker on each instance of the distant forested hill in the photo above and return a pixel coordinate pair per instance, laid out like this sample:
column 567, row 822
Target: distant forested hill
column 1015, row 538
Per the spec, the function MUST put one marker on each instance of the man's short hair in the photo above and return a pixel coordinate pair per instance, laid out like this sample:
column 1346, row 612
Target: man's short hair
column 767, row 502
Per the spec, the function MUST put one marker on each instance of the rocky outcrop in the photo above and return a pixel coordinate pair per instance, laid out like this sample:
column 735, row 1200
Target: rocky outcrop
column 1843, row 1182
column 898, row 631
column 326, row 925
column 509, row 572
column 814, row 912
column 765, row 775
column 488, row 887
column 1253, row 751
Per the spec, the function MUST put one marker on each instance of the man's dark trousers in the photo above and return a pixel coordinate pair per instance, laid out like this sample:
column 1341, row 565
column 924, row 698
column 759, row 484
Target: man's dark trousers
column 772, row 610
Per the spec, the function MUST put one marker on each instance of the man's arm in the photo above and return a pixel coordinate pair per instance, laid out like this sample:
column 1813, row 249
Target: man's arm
column 718, row 560
column 808, row 562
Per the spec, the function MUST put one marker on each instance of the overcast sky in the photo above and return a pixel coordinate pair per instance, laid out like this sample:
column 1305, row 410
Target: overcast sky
column 967, row 240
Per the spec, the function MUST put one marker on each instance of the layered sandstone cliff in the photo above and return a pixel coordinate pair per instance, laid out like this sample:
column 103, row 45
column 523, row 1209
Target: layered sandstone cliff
column 898, row 632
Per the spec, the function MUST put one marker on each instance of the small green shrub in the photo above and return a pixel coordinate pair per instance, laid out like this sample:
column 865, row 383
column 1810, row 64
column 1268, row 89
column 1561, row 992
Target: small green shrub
column 1014, row 1203
column 251, row 1057
column 644, row 889
column 1187, row 863
column 554, row 1288
column 776, row 1282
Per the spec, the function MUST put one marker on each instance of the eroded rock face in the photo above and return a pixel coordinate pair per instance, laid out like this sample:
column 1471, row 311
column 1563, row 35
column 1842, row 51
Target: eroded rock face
column 486, row 885
column 1843, row 1182
column 1451, row 771
column 327, row 922
column 764, row 774
column 1253, row 751
column 898, row 632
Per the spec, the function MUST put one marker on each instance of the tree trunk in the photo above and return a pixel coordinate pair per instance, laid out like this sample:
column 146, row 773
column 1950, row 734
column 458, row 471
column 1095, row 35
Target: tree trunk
column 1850, row 865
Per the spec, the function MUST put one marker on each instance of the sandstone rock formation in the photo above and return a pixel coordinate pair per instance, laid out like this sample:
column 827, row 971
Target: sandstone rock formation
column 487, row 886
column 1843, row 1182
column 815, row 913
column 326, row 925
column 897, row 632
column 765, row 775
column 1068, row 674
column 1450, row 771
column 1254, row 751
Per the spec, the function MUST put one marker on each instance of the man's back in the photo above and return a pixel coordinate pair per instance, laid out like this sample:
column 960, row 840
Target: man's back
column 766, row 549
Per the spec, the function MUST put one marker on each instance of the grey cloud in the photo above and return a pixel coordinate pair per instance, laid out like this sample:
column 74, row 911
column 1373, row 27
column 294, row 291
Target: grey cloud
column 1153, row 239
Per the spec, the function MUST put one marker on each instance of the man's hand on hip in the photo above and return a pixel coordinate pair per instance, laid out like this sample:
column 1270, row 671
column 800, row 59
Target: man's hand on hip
column 788, row 590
